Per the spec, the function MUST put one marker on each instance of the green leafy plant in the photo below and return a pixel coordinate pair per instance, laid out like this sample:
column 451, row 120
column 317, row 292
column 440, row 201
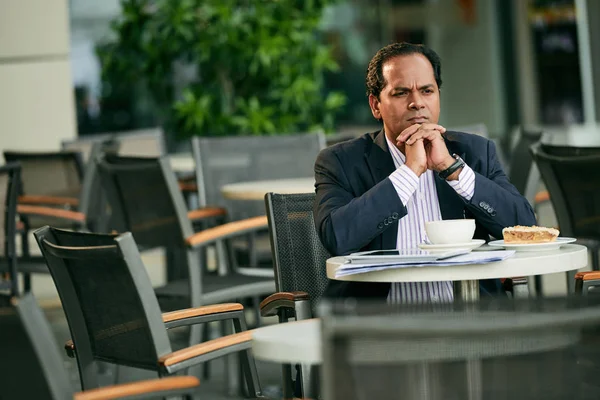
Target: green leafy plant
column 257, row 65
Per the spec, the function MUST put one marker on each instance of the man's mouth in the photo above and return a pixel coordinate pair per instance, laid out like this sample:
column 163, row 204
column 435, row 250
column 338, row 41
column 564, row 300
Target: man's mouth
column 418, row 120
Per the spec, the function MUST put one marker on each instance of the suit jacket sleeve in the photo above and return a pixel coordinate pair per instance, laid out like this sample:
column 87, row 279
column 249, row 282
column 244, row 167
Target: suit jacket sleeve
column 349, row 221
column 496, row 203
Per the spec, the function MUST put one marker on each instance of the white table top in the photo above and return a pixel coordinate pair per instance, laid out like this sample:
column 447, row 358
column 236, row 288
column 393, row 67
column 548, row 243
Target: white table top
column 182, row 162
column 290, row 342
column 569, row 257
column 256, row 190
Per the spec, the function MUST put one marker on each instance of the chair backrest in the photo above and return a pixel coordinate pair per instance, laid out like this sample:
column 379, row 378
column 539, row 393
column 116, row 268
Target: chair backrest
column 105, row 291
column 223, row 160
column 523, row 172
column 49, row 173
column 568, row 173
column 145, row 200
column 137, row 143
column 496, row 349
column 31, row 366
column 92, row 201
column 9, row 186
column 141, row 143
column 299, row 258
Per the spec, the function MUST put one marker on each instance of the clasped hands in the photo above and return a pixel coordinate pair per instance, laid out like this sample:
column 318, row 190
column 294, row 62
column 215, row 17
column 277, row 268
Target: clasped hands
column 424, row 148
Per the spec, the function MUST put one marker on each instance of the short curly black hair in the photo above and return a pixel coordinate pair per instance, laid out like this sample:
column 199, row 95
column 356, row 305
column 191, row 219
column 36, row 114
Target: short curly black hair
column 375, row 80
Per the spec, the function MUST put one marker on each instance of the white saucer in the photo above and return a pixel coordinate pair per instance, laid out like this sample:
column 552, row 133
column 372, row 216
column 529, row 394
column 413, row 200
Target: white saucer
column 533, row 246
column 473, row 244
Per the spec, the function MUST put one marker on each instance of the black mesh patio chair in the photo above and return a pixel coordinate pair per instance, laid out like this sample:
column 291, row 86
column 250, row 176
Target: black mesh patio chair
column 9, row 185
column 113, row 313
column 573, row 193
column 49, row 178
column 144, row 196
column 32, row 367
column 495, row 349
column 88, row 211
column 299, row 263
column 223, row 160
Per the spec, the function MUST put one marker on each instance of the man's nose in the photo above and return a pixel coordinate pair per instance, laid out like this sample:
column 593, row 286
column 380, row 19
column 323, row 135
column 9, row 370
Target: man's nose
column 416, row 102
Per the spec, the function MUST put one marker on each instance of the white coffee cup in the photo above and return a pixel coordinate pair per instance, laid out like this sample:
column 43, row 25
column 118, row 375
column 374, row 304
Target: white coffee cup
column 449, row 231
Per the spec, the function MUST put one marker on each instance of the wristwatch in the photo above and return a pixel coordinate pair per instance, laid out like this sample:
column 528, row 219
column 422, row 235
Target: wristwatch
column 459, row 163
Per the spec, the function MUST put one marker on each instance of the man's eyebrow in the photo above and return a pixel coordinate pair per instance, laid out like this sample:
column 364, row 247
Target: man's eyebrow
column 406, row 89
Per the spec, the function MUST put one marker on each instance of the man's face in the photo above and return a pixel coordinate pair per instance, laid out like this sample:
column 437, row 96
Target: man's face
column 410, row 96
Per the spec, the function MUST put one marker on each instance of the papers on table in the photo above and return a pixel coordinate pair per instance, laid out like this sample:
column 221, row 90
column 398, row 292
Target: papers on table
column 480, row 257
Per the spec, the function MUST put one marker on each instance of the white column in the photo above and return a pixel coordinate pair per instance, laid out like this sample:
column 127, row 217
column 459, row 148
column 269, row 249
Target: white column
column 585, row 63
column 37, row 107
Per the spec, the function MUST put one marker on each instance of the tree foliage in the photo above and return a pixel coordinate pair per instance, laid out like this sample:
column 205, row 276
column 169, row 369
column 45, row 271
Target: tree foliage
column 258, row 65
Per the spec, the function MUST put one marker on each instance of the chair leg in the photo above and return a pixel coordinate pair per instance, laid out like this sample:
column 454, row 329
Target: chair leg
column 247, row 362
column 206, row 334
column 26, row 255
column 571, row 282
column 595, row 259
column 539, row 290
column 287, row 381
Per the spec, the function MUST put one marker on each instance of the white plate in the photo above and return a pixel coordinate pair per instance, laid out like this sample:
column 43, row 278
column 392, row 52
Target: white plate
column 533, row 246
column 473, row 244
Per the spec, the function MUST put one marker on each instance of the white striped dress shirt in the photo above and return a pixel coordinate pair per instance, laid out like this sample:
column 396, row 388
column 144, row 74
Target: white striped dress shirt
column 419, row 196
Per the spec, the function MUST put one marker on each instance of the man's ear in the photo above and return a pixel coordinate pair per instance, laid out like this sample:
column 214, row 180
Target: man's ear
column 374, row 104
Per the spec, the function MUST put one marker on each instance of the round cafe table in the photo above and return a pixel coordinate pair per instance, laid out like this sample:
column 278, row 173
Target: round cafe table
column 256, row 190
column 300, row 341
column 523, row 263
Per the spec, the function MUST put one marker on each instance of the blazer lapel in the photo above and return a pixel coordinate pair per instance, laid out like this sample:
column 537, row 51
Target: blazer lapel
column 381, row 165
column 451, row 204
column 379, row 159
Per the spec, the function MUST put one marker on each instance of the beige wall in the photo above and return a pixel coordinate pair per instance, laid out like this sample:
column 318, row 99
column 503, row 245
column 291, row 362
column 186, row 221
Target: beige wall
column 37, row 106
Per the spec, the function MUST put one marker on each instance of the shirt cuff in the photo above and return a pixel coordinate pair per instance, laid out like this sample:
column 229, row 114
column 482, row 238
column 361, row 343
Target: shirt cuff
column 465, row 185
column 405, row 182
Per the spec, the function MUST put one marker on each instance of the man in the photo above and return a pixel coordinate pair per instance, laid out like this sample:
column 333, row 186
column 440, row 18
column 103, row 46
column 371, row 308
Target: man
column 377, row 191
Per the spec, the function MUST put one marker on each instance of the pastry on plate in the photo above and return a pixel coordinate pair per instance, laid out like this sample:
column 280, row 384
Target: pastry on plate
column 529, row 234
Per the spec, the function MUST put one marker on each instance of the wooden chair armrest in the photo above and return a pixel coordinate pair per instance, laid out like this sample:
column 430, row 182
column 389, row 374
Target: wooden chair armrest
column 188, row 186
column 206, row 212
column 271, row 305
column 54, row 200
column 154, row 386
column 74, row 216
column 224, row 231
column 541, row 197
column 70, row 348
column 201, row 311
column 206, row 348
column 588, row 275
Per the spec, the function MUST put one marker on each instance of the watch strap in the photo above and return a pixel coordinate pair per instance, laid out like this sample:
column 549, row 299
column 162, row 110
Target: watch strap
column 459, row 163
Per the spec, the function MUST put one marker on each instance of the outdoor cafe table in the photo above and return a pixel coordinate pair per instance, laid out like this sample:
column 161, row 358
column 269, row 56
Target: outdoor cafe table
column 256, row 190
column 300, row 341
column 523, row 263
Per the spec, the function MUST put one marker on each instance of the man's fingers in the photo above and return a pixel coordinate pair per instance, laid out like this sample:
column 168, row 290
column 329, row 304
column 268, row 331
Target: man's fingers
column 407, row 133
column 429, row 135
column 413, row 129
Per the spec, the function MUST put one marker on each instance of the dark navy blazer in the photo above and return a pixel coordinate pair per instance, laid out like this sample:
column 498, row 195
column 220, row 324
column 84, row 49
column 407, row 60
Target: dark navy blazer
column 357, row 207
